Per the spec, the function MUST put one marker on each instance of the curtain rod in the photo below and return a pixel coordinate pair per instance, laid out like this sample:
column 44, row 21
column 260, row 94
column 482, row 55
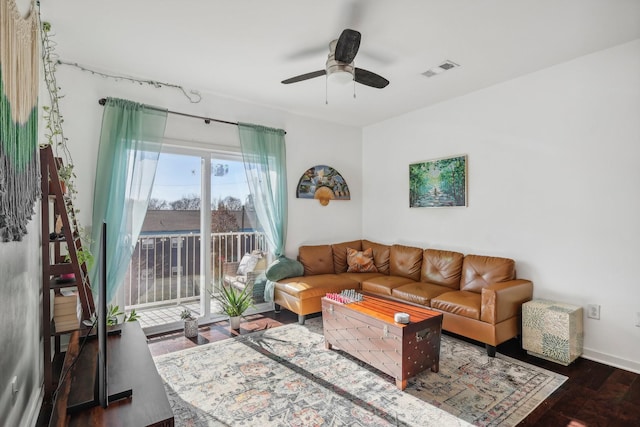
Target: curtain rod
column 207, row 120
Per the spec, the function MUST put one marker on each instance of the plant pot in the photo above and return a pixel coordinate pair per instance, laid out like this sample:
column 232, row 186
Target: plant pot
column 191, row 328
column 234, row 322
column 63, row 187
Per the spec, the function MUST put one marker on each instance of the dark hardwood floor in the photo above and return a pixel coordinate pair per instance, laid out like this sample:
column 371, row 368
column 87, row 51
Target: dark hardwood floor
column 594, row 395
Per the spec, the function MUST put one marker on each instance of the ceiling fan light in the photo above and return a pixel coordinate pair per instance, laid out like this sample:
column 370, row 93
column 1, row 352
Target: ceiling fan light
column 341, row 77
column 340, row 72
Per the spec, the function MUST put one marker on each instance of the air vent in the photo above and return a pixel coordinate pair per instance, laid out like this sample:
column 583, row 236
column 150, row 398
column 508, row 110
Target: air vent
column 445, row 66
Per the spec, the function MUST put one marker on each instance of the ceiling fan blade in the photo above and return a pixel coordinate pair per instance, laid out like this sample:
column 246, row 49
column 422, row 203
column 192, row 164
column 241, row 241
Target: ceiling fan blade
column 347, row 46
column 307, row 76
column 370, row 79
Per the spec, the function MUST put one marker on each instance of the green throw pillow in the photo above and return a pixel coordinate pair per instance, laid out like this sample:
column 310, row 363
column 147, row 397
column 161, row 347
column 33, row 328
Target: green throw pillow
column 284, row 267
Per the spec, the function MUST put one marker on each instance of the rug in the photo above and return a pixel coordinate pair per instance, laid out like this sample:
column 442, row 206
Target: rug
column 285, row 377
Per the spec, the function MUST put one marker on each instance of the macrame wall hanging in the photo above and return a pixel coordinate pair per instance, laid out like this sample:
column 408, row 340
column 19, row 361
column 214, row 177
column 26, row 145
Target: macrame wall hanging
column 19, row 174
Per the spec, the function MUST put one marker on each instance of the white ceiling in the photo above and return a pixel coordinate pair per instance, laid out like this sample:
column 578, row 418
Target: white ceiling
column 244, row 48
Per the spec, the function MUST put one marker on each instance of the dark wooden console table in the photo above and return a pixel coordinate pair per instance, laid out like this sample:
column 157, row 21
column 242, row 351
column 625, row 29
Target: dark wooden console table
column 130, row 366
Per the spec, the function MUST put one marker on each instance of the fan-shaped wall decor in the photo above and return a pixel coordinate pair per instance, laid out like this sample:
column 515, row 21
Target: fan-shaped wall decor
column 323, row 183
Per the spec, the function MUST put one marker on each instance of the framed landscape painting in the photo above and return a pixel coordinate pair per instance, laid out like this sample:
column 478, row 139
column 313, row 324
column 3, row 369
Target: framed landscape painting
column 438, row 183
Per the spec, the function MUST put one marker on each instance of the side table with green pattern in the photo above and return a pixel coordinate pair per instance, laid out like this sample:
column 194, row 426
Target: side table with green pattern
column 552, row 330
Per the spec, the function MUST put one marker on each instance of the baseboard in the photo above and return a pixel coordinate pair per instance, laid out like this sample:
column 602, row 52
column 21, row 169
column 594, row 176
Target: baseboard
column 608, row 359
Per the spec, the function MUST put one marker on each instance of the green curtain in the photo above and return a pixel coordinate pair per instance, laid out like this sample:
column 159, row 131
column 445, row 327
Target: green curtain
column 264, row 155
column 130, row 143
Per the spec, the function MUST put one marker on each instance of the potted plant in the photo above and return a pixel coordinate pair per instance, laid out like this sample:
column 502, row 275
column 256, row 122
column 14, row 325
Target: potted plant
column 190, row 323
column 113, row 314
column 84, row 256
column 234, row 303
column 66, row 175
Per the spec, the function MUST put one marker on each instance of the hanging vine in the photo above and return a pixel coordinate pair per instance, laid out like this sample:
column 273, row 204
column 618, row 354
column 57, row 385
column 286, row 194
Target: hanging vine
column 193, row 95
column 53, row 130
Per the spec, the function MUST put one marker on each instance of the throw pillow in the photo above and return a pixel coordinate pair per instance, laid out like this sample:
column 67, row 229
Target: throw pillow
column 284, row 267
column 360, row 261
column 247, row 264
column 262, row 260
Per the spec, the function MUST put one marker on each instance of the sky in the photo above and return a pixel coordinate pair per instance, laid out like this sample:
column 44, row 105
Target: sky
column 178, row 175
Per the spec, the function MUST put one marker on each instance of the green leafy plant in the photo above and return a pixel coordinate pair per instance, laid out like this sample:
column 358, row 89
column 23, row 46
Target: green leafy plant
column 234, row 302
column 186, row 314
column 68, row 176
column 53, row 119
column 113, row 311
column 84, row 256
column 133, row 316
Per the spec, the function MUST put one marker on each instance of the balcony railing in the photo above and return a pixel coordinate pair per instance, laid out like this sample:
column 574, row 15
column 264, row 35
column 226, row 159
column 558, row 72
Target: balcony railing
column 165, row 268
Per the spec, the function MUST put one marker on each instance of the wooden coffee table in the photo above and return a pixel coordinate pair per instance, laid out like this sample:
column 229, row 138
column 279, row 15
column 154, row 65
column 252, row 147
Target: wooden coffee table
column 367, row 330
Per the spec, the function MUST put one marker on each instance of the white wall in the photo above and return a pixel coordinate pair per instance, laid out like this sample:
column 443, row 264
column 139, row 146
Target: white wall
column 553, row 183
column 21, row 338
column 309, row 142
column 20, row 317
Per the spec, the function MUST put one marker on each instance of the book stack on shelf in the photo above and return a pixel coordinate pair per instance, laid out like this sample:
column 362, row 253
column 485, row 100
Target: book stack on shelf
column 65, row 314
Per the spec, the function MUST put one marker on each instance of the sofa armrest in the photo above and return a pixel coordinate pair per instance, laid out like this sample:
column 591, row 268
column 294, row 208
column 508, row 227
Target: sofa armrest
column 253, row 275
column 503, row 300
column 247, row 281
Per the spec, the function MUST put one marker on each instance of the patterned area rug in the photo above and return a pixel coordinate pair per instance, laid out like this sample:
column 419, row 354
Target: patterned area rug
column 285, row 377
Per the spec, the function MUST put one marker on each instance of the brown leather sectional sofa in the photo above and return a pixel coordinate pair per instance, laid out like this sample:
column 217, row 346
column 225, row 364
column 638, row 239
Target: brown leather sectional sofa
column 479, row 296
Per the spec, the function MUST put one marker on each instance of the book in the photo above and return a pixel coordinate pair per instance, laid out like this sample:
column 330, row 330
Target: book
column 68, row 292
column 67, row 323
column 66, row 326
column 64, row 310
column 65, row 300
column 65, row 305
column 73, row 317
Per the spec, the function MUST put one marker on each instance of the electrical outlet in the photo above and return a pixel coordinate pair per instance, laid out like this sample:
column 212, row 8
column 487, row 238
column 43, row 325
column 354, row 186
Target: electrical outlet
column 593, row 311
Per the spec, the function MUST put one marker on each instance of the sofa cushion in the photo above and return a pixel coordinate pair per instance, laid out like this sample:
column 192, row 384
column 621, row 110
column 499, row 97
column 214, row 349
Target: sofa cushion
column 463, row 303
column 284, row 267
column 317, row 259
column 340, row 254
column 405, row 261
column 380, row 255
column 360, row 277
column 360, row 261
column 419, row 292
column 442, row 268
column 383, row 285
column 478, row 272
column 304, row 287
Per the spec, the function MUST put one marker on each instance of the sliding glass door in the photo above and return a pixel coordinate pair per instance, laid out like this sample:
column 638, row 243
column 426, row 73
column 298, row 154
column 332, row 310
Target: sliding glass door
column 199, row 224
column 164, row 271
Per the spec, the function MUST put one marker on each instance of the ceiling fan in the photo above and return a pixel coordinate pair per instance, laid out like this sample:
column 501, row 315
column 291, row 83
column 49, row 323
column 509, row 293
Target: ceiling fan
column 342, row 52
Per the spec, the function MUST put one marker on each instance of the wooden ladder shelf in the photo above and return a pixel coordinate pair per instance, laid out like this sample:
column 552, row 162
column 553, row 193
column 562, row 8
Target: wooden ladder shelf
column 56, row 204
